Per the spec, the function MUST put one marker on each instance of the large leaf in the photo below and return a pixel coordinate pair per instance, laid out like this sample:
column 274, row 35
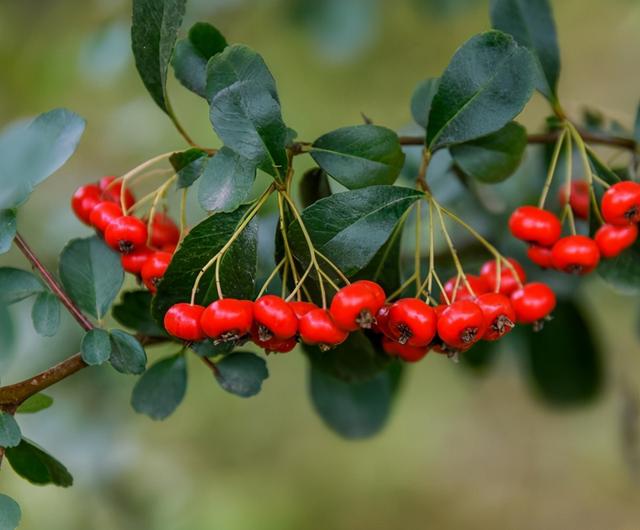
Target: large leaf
column 127, row 354
column 45, row 314
column 242, row 373
column 91, row 274
column 134, row 312
column 96, row 347
column 487, row 83
column 492, row 158
column 422, row 98
column 237, row 268
column 7, row 229
column 10, row 513
column 154, row 30
column 360, row 156
column 9, row 431
column 161, row 388
column 314, row 185
column 16, row 285
column 30, row 151
column 37, row 466
column 531, row 23
column 623, row 272
column 193, row 53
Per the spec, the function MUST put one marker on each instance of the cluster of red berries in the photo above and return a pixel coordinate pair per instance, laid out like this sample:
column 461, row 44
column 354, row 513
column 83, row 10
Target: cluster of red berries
column 579, row 254
column 146, row 256
column 410, row 327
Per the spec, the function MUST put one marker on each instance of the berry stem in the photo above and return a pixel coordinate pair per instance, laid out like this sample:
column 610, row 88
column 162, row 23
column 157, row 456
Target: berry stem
column 183, row 214
column 159, row 194
column 552, row 167
column 271, row 276
column 135, row 171
column 418, row 250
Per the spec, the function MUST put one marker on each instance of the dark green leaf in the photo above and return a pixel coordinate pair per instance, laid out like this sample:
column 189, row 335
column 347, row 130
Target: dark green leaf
column 35, row 403
column 30, row 151
column 492, row 158
column 7, row 229
column 127, row 354
column 531, row 23
column 360, row 156
column 96, row 347
column 10, row 513
column 161, row 388
column 481, row 357
column 45, row 314
column 207, row 348
column 314, row 185
column 38, row 467
column 10, row 435
column 622, row 273
column 242, row 373
column 193, row 53
column 16, row 285
column 226, row 181
column 91, row 274
column 154, row 30
column 134, row 312
column 487, row 83
column 422, row 98
column 188, row 165
column 601, row 169
column 7, row 333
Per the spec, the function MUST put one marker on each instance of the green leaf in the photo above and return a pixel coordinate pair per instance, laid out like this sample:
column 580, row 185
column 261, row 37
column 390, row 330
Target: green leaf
column 10, row 513
column 32, row 463
column 531, row 23
column 127, row 354
column 16, row 285
column 481, row 357
column 45, row 314
column 35, row 403
column 205, row 240
column 421, row 100
column 350, row 227
column 207, row 348
column 10, row 435
column 360, row 156
column 189, row 165
column 601, row 169
column 30, row 151
column 314, row 185
column 487, row 83
column 226, row 181
column 91, row 274
column 492, row 158
column 242, row 373
column 7, row 334
column 7, row 229
column 193, row 53
column 134, row 312
column 154, row 30
column 161, row 388
column 622, row 273
column 96, row 347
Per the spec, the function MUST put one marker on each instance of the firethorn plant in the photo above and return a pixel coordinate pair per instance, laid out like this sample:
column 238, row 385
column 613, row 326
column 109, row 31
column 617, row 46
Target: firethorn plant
column 340, row 284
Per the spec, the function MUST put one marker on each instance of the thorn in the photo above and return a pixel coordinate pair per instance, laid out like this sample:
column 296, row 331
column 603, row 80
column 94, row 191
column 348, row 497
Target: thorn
column 366, row 118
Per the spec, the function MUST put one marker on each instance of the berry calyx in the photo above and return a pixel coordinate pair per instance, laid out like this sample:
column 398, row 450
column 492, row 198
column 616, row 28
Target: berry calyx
column 227, row 319
column 84, row 200
column 535, row 225
column 183, row 322
column 533, row 302
column 274, row 318
column 103, row 214
column 164, row 232
column 273, row 345
column 612, row 239
column 126, row 234
column 575, row 254
column 411, row 322
column 405, row 352
column 461, row 324
column 134, row 261
column 578, row 200
column 318, row 328
column 508, row 282
column 541, row 256
column 301, row 308
column 478, row 284
column 621, row 203
column 356, row 305
column 499, row 315
column 154, row 268
column 111, row 192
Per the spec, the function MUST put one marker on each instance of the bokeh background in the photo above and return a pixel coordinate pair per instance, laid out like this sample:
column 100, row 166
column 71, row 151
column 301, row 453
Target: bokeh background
column 462, row 449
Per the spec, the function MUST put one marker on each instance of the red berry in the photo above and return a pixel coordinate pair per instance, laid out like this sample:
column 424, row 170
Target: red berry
column 412, row 322
column 126, row 234
column 273, row 345
column 508, row 282
column 461, row 324
column 183, row 322
column 164, row 232
column 478, row 284
column 102, row 215
column 318, row 328
column 377, row 290
column 621, row 203
column 154, row 268
column 579, row 198
column 84, row 200
column 407, row 353
column 274, row 318
column 228, row 319
column 541, row 256
column 533, row 302
column 535, row 225
column 575, row 254
column 355, row 306
column 381, row 324
column 499, row 315
column 111, row 192
column 134, row 261
column 302, row 308
column 612, row 240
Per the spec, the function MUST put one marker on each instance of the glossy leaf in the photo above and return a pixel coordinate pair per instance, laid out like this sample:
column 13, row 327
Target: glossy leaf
column 492, row 158
column 16, row 285
column 96, row 347
column 127, row 354
column 10, row 513
column 531, row 23
column 622, row 273
column 421, row 100
column 91, row 274
column 360, row 156
column 154, row 30
column 601, row 169
column 35, row 403
column 314, row 185
column 37, row 466
column 487, row 84
column 189, row 166
column 161, row 388
column 242, row 373
column 45, row 314
column 7, row 229
column 10, row 435
column 134, row 312
column 207, row 348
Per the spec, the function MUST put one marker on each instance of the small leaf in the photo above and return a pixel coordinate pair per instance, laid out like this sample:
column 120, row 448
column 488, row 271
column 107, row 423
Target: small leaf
column 226, row 181
column 161, row 388
column 188, row 165
column 314, row 185
column 37, row 466
column 127, row 354
column 492, row 158
column 7, row 333
column 10, row 435
column 16, row 285
column 242, row 373
column 360, row 156
column 10, row 513
column 45, row 314
column 91, row 274
column 134, row 312
column 95, row 347
column 421, row 100
column 193, row 53
column 487, row 83
column 622, row 272
column 7, row 229
column 35, row 403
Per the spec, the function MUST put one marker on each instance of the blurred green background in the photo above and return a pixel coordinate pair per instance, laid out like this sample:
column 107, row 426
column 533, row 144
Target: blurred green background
column 461, row 450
